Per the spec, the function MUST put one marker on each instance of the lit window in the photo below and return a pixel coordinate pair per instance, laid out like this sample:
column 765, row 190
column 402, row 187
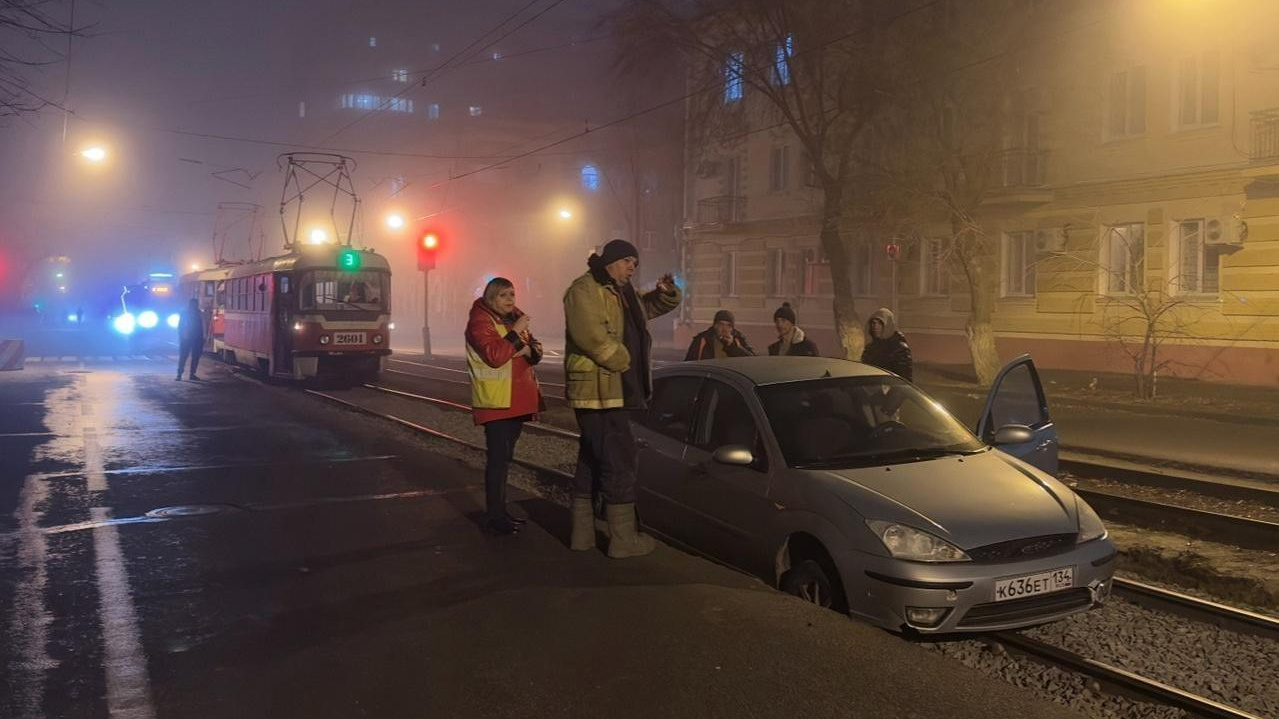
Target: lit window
column 781, row 61
column 301, row 109
column 1019, row 254
column 1199, row 90
column 934, row 266
column 590, row 178
column 400, row 75
column 733, row 84
column 476, row 111
column 1123, row 257
column 433, row 111
column 372, row 41
column 1126, row 104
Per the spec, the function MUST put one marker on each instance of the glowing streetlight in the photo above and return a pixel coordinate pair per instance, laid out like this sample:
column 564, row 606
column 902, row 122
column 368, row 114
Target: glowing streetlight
column 195, row 266
column 318, row 236
column 395, row 221
column 95, row 153
column 566, row 214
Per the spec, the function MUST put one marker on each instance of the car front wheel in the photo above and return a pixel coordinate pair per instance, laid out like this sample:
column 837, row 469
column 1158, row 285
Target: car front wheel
column 809, row 581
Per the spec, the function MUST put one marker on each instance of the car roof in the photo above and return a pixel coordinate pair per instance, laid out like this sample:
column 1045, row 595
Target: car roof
column 776, row 370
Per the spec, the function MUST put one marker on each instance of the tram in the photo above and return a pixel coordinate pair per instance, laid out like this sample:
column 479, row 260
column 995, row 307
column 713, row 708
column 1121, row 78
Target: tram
column 318, row 311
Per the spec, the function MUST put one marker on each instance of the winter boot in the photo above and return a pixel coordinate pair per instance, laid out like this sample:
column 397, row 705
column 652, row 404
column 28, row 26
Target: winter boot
column 625, row 539
column 583, row 537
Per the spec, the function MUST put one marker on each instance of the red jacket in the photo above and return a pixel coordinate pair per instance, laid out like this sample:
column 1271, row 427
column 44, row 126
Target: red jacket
column 496, row 349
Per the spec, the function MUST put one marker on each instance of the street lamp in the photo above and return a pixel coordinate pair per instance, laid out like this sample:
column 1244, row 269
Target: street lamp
column 395, row 221
column 96, row 153
column 566, row 214
column 318, row 236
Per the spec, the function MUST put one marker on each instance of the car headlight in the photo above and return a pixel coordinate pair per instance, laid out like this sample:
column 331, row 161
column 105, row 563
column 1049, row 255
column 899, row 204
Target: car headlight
column 1090, row 525
column 148, row 319
column 174, row 320
column 324, row 339
column 905, row 542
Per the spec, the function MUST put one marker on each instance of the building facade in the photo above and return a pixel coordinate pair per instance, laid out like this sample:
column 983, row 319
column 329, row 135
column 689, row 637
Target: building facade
column 1136, row 187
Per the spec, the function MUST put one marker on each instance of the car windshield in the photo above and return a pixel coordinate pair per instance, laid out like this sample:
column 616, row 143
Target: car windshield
column 859, row 421
column 334, row 289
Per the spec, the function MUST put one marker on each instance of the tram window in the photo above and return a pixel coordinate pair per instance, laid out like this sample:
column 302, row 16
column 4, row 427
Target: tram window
column 284, row 284
column 343, row 290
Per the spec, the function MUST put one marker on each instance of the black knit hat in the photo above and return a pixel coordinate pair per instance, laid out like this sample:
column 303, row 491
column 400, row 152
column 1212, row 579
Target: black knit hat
column 724, row 316
column 785, row 312
column 616, row 250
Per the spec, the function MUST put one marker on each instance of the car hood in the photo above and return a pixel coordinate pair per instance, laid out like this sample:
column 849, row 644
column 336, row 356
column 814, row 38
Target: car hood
column 970, row 501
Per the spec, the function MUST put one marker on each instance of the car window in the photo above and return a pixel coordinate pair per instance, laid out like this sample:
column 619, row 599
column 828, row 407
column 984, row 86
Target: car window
column 671, row 411
column 1017, row 401
column 859, row 420
column 724, row 419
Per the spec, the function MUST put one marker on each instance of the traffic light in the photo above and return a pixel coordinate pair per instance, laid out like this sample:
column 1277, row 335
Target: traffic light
column 350, row 260
column 428, row 245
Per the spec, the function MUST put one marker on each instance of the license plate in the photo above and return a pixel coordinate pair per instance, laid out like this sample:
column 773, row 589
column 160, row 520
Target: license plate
column 1031, row 584
column 348, row 338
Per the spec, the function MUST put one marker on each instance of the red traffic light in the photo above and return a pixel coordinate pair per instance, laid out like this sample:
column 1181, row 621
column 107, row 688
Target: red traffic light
column 428, row 245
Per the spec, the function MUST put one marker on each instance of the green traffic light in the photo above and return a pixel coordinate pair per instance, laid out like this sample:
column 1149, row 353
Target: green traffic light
column 349, row 260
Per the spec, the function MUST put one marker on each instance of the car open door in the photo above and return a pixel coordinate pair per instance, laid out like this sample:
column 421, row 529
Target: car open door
column 1017, row 398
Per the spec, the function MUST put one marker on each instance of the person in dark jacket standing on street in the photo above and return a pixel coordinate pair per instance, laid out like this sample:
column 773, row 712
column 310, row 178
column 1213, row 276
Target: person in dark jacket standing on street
column 500, row 355
column 719, row 341
column 190, row 338
column 887, row 348
column 607, row 353
column 791, row 341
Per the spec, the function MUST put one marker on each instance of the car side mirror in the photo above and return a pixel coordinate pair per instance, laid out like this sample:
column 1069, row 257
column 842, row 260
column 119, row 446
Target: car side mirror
column 1013, row 434
column 734, row 454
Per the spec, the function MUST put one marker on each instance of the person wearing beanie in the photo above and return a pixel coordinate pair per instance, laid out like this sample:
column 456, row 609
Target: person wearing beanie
column 720, row 340
column 607, row 356
column 790, row 338
column 887, row 348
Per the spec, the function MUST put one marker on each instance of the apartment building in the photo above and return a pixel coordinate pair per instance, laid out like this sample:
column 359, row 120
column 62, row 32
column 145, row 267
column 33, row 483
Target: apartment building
column 1139, row 172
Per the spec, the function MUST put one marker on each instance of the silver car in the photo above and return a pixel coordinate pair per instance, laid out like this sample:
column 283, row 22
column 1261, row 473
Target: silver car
column 848, row 486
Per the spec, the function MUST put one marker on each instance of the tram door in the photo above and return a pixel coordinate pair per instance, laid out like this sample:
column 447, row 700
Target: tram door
column 283, row 306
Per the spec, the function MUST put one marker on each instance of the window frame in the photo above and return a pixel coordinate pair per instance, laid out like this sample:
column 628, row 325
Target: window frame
column 1029, row 255
column 775, row 272
column 734, row 81
column 1130, row 273
column 1198, row 62
column 730, row 274
column 863, row 257
column 701, row 408
column 1176, row 260
column 694, row 406
column 1129, row 104
column 933, row 256
column 779, row 168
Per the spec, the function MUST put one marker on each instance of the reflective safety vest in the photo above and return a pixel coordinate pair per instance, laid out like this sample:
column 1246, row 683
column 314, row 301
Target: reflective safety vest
column 490, row 386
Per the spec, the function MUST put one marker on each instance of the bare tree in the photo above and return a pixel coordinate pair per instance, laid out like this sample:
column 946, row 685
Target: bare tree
column 28, row 28
column 813, row 67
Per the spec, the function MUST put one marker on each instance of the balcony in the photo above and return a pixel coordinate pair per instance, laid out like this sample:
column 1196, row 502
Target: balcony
column 1264, row 144
column 1022, row 168
column 721, row 210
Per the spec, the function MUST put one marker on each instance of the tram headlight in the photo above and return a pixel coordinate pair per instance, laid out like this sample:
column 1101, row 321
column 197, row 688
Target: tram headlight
column 391, row 326
column 297, row 326
column 124, row 324
column 324, row 339
column 377, row 339
column 148, row 319
column 174, row 320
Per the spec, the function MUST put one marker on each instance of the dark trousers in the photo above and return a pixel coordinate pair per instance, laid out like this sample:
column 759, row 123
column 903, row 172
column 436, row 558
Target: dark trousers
column 607, row 458
column 192, row 349
column 500, row 437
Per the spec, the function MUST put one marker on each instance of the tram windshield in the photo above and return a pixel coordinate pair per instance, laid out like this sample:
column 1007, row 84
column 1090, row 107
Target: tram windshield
column 335, row 290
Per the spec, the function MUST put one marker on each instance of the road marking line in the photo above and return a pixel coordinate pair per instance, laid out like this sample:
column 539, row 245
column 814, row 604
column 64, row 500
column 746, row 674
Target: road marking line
column 35, row 359
column 28, row 629
column 230, row 465
column 128, row 685
column 105, row 358
column 94, row 473
column 68, row 359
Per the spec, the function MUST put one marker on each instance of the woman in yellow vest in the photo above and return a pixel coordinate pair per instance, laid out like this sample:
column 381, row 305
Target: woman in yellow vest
column 500, row 353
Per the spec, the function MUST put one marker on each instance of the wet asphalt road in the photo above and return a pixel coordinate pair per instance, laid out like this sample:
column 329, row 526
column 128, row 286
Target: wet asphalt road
column 341, row 573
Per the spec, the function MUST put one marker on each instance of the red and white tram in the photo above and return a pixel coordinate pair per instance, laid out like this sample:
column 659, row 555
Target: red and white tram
column 317, row 311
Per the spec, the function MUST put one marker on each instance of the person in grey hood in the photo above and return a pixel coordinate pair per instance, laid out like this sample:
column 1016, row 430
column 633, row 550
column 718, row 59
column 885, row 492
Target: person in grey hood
column 887, row 348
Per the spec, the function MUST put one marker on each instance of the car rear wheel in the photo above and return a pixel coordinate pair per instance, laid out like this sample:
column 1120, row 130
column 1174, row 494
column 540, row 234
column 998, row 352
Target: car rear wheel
column 809, row 581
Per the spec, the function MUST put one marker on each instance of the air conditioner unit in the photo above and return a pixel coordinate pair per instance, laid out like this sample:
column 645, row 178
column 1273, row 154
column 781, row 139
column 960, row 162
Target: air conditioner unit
column 1050, row 241
column 1220, row 232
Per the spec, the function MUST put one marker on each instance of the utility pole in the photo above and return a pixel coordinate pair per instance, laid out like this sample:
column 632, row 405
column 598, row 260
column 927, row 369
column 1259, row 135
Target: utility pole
column 426, row 312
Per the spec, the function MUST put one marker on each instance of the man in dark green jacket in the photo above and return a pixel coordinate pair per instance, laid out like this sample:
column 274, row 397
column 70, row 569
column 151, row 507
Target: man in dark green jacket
column 607, row 358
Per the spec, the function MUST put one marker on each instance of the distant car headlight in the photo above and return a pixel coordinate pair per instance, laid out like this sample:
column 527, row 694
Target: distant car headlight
column 174, row 320
column 1090, row 525
column 124, row 324
column 324, row 339
column 148, row 319
column 905, row 542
